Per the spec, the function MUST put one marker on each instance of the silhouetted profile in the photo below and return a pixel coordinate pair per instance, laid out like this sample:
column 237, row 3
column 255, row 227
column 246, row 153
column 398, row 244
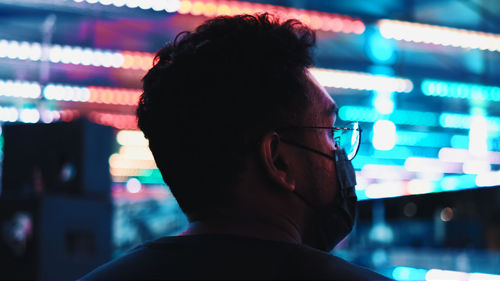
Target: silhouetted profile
column 243, row 136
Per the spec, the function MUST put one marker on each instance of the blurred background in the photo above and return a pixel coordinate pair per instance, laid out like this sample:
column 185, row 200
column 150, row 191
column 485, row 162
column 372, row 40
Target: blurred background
column 79, row 185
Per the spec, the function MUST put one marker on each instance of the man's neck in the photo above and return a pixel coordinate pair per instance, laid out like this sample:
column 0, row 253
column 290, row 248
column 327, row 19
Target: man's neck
column 245, row 226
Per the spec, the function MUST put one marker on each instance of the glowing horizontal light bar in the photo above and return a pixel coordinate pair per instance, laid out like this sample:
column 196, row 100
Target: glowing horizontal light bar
column 131, row 138
column 92, row 94
column 385, row 190
column 360, row 81
column 117, row 161
column 411, row 273
column 119, row 121
column 438, row 274
column 386, row 172
column 488, row 179
column 314, row 19
column 427, row 139
column 401, row 117
column 136, row 153
column 438, row 88
column 457, row 155
column 463, row 121
column 169, row 6
column 421, row 164
column 20, row 89
column 8, row 114
column 439, row 35
column 76, row 55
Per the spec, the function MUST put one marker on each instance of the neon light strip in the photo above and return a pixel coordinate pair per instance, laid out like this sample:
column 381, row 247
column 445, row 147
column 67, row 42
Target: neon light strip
column 92, row 94
column 438, row 88
column 402, row 117
column 395, row 188
column 463, row 121
column 20, row 89
column 360, row 81
column 76, row 55
column 314, row 19
column 411, row 273
column 432, row 165
column 169, row 6
column 457, row 155
column 413, row 117
column 439, row 35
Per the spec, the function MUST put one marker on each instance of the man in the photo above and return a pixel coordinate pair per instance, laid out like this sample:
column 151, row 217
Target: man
column 242, row 134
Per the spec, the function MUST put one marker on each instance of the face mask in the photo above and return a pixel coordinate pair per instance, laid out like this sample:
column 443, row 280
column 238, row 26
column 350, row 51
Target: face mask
column 335, row 220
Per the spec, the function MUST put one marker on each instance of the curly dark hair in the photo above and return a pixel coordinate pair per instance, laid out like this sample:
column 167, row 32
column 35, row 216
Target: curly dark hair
column 213, row 93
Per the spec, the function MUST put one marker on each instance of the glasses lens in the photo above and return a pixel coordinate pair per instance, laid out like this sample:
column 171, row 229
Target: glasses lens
column 349, row 139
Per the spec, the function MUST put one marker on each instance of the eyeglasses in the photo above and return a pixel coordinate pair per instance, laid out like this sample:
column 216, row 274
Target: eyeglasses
column 347, row 137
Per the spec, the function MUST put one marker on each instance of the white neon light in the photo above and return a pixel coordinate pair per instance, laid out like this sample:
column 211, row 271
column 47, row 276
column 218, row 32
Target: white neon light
column 20, row 50
column 360, row 81
column 476, row 167
column 385, row 172
column 478, row 135
column 385, row 189
column 29, row 115
column 157, row 5
column 85, row 56
column 439, row 35
column 384, row 135
column 19, row 89
column 66, row 93
column 458, row 155
column 420, row 186
column 488, row 179
column 8, row 114
column 431, row 165
column 131, row 138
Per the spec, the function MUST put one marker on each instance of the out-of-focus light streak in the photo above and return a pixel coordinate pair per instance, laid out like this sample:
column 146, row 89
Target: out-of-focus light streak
column 8, row 114
column 116, row 161
column 360, row 81
column 20, row 89
column 66, row 93
column 77, row 55
column 434, row 165
column 426, row 139
column 400, row 117
column 314, row 19
column 411, row 273
column 119, row 121
column 386, row 189
column 463, row 121
column 385, row 172
column 478, row 135
column 131, row 138
column 136, row 153
column 488, row 179
column 439, row 35
column 438, row 88
column 92, row 94
column 457, row 155
column 384, row 135
column 29, row 115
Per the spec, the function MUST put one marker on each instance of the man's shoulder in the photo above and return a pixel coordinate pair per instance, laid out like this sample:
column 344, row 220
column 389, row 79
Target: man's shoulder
column 228, row 257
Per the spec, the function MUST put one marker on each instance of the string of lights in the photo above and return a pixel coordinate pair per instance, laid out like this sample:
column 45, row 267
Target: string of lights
column 439, row 35
column 316, row 20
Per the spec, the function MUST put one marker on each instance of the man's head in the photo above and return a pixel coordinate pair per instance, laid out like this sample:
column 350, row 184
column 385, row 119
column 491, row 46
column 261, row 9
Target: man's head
column 215, row 98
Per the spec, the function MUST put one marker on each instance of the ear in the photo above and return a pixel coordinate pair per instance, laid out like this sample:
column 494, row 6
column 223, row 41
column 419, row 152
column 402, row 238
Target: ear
column 274, row 161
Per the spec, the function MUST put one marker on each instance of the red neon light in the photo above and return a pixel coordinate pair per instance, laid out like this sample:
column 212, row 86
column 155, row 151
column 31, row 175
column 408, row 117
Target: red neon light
column 314, row 19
